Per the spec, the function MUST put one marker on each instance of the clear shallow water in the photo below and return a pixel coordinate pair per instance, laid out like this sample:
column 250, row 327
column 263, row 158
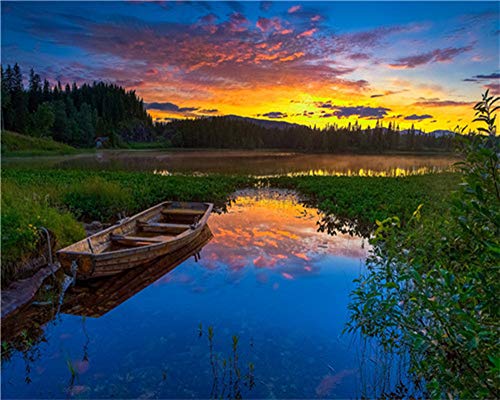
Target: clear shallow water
column 245, row 162
column 266, row 277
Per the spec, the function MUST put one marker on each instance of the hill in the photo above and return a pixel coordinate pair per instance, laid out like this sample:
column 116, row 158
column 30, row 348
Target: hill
column 16, row 144
column 264, row 123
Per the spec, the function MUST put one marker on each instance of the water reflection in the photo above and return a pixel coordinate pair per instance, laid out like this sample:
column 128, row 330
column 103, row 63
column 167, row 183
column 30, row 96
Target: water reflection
column 97, row 297
column 273, row 290
column 260, row 164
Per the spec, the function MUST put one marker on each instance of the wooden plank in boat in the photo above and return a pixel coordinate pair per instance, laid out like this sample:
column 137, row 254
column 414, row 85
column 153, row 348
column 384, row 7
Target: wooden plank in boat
column 182, row 211
column 162, row 227
column 137, row 240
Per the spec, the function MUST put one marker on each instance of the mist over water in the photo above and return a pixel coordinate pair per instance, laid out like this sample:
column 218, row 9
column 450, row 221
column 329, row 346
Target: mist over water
column 247, row 163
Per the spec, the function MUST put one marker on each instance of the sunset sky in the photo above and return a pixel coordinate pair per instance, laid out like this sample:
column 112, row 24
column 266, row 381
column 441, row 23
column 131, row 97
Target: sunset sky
column 313, row 63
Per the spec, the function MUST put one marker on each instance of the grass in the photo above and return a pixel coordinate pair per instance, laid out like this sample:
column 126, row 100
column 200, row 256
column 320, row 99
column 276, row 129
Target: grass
column 15, row 144
column 61, row 199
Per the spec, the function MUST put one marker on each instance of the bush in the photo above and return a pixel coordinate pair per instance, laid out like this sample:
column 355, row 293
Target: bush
column 431, row 288
column 23, row 212
column 97, row 199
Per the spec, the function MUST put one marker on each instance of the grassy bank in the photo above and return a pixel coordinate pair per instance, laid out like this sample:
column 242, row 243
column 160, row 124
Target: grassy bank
column 16, row 145
column 61, row 199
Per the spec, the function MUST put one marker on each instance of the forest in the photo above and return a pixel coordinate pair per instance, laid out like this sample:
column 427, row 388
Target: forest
column 71, row 114
column 76, row 115
column 231, row 132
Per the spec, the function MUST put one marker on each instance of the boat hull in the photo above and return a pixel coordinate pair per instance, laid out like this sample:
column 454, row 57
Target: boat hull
column 88, row 264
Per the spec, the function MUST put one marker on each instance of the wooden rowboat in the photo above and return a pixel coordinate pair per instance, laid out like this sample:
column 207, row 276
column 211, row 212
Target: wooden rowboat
column 96, row 297
column 146, row 236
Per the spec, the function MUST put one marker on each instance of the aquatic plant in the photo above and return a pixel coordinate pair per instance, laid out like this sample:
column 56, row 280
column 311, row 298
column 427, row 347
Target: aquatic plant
column 432, row 284
column 227, row 378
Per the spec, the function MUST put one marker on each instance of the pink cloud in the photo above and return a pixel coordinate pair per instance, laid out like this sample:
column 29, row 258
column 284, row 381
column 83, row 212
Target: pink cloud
column 307, row 33
column 294, row 9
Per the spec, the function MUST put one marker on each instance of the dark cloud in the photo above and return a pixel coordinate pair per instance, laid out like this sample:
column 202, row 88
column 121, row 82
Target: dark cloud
column 348, row 111
column 387, row 93
column 162, row 106
column 209, row 111
column 441, row 103
column 494, row 75
column 479, row 78
column 437, row 55
column 415, row 117
column 326, row 104
column 275, row 115
column 493, row 85
column 171, row 107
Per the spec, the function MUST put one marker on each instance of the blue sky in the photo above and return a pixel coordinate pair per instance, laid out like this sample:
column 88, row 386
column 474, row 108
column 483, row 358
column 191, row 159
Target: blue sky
column 307, row 62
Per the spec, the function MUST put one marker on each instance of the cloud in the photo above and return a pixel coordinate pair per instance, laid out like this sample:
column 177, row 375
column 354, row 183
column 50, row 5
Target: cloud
column 495, row 75
column 170, row 107
column 294, row 9
column 441, row 103
column 162, row 106
column 267, row 24
column 348, row 111
column 208, row 111
column 493, row 85
column 387, row 93
column 370, row 38
column 437, row 55
column 415, row 117
column 275, row 115
column 307, row 33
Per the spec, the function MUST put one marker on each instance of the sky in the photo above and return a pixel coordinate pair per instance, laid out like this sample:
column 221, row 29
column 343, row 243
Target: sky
column 312, row 63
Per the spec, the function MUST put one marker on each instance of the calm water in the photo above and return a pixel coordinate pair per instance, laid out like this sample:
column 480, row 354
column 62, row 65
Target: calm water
column 266, row 276
column 246, row 162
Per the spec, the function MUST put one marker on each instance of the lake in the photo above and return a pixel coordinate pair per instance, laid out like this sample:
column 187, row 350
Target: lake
column 257, row 311
column 257, row 163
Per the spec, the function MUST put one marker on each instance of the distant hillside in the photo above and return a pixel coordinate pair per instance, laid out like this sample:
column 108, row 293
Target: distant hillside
column 16, row 144
column 235, row 132
column 265, row 123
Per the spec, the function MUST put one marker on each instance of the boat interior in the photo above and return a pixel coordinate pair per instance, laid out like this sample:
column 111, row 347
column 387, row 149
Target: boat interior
column 155, row 225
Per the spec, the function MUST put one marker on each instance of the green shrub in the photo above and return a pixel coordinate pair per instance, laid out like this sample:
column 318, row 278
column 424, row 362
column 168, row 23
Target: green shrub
column 23, row 213
column 431, row 288
column 97, row 199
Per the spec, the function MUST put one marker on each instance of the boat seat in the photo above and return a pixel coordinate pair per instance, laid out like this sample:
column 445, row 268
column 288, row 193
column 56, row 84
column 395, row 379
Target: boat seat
column 136, row 240
column 162, row 227
column 182, row 211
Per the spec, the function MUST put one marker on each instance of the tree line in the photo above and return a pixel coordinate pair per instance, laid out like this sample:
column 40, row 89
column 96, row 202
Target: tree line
column 228, row 132
column 75, row 115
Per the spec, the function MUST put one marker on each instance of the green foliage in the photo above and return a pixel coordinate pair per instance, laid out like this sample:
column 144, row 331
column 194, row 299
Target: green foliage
column 73, row 115
column 23, row 211
column 42, row 120
column 97, row 199
column 15, row 144
column 432, row 284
